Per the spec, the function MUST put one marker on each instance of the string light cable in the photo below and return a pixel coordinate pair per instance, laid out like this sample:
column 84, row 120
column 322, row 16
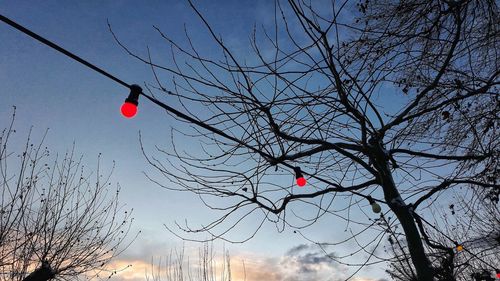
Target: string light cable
column 60, row 49
column 136, row 90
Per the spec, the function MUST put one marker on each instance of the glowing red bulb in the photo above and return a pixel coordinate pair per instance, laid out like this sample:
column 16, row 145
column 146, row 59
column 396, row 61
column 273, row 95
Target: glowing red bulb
column 301, row 181
column 129, row 109
column 498, row 274
column 299, row 177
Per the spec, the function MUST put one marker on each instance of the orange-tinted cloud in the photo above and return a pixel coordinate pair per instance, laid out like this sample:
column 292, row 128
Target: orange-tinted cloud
column 301, row 263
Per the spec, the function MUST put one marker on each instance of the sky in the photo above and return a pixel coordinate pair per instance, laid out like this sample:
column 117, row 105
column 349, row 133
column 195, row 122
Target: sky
column 81, row 106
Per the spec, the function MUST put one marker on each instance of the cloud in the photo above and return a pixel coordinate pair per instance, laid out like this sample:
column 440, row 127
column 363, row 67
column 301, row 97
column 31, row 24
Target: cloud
column 309, row 262
column 135, row 263
column 304, row 262
column 297, row 249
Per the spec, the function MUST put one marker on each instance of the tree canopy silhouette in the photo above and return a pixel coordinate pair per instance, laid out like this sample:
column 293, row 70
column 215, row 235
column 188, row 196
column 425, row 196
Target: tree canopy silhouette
column 393, row 102
column 57, row 220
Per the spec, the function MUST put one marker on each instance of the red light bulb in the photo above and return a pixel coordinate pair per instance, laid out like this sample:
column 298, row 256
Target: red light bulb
column 129, row 109
column 301, row 181
column 299, row 177
column 498, row 274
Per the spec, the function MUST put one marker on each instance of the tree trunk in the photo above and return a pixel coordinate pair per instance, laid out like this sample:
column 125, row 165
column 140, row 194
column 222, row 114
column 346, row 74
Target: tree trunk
column 42, row 273
column 403, row 213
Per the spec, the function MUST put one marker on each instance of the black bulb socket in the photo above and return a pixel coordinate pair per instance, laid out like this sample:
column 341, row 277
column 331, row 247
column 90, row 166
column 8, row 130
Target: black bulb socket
column 133, row 97
column 298, row 172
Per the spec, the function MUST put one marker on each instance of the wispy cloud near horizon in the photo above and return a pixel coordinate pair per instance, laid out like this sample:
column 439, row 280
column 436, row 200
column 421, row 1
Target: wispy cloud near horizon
column 304, row 262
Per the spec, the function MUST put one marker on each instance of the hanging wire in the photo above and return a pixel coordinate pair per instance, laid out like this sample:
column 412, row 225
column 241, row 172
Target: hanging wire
column 60, row 49
column 161, row 104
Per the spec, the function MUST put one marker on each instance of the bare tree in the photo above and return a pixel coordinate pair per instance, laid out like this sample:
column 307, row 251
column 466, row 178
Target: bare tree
column 380, row 102
column 57, row 220
column 176, row 267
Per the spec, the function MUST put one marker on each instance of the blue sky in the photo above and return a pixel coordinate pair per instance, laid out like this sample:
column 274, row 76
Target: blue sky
column 81, row 106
